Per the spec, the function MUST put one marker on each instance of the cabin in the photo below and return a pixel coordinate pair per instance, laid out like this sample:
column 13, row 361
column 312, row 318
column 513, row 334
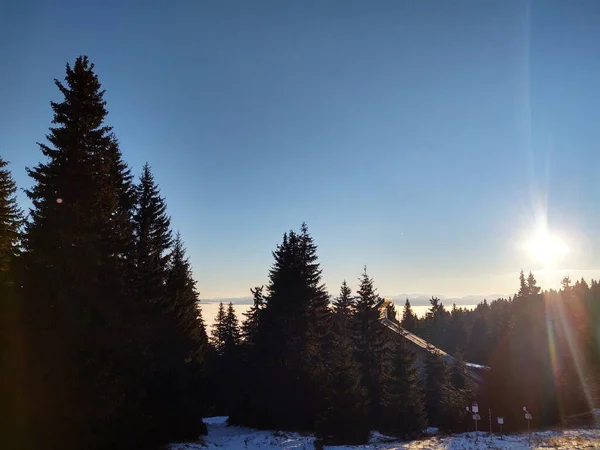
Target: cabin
column 387, row 317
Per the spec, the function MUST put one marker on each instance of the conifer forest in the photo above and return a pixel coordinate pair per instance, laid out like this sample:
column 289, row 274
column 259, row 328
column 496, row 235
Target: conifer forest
column 104, row 346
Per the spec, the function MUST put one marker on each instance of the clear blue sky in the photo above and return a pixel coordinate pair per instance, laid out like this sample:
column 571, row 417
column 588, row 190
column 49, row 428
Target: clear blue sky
column 419, row 137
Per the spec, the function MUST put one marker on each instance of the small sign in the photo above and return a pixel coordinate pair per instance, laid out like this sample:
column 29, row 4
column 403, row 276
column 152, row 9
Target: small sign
column 476, row 417
column 528, row 416
column 500, row 420
column 474, row 407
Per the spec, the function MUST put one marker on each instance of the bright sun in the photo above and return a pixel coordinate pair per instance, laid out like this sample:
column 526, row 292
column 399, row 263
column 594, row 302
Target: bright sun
column 547, row 249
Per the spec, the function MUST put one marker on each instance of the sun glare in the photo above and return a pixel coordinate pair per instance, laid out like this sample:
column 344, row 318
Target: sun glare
column 547, row 249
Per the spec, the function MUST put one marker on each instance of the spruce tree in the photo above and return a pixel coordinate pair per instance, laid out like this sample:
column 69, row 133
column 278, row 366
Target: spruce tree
column 343, row 309
column 186, row 365
column 369, row 342
column 245, row 405
column 403, row 399
column 230, row 361
column 76, row 245
column 344, row 417
column 182, row 295
column 232, row 330
column 436, row 380
column 153, row 240
column 457, row 391
column 291, row 342
column 435, row 322
column 219, row 330
column 318, row 311
column 250, row 324
column 409, row 318
column 10, row 223
column 12, row 369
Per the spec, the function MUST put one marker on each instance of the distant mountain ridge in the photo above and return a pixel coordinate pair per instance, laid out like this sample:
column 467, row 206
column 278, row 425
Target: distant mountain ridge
column 415, row 299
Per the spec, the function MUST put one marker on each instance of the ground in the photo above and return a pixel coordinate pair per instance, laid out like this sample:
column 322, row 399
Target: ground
column 220, row 436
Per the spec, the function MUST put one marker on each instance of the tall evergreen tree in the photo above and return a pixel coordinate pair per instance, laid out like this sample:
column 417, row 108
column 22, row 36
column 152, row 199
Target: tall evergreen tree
column 244, row 408
column 436, row 379
column 369, row 342
column 457, row 391
column 344, row 305
column 409, row 318
column 182, row 352
column 344, row 416
column 11, row 340
column 182, row 295
column 435, row 322
column 227, row 343
column 76, row 245
column 343, row 312
column 152, row 243
column 219, row 330
column 403, row 399
column 232, row 328
column 250, row 324
column 10, row 223
column 153, row 240
column 289, row 355
column 456, row 332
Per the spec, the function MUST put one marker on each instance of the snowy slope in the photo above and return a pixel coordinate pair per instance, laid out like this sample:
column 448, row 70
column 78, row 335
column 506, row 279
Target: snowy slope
column 220, row 436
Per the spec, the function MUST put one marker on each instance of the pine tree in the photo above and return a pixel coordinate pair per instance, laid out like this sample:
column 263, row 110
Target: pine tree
column 344, row 417
column 318, row 311
column 290, row 351
column 343, row 309
column 409, row 318
column 457, row 391
column 219, row 330
column 11, row 340
column 232, row 330
column 188, row 349
column 403, row 399
column 10, row 223
column 244, row 407
column 436, row 379
column 529, row 361
column 76, row 246
column 456, row 332
column 230, row 361
column 369, row 342
column 435, row 322
column 250, row 324
column 153, row 240
column 182, row 294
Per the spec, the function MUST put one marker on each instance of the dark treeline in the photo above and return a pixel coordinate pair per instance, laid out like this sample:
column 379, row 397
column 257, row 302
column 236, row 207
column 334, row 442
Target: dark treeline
column 104, row 345
column 543, row 348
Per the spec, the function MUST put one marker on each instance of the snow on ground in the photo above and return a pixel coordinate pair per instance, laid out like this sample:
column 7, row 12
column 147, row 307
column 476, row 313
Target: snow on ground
column 220, row 436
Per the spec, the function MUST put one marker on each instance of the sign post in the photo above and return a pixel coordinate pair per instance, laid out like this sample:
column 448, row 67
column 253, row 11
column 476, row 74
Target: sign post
column 501, row 422
column 528, row 417
column 475, row 411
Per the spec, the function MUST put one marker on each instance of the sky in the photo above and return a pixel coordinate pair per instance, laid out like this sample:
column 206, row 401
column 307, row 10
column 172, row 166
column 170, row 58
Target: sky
column 430, row 140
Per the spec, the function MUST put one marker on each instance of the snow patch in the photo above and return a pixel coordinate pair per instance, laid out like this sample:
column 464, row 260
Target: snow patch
column 221, row 436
